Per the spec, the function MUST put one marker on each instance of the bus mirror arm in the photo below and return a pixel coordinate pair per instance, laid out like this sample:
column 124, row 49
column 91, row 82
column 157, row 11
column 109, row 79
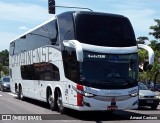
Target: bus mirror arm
column 150, row 52
column 77, row 45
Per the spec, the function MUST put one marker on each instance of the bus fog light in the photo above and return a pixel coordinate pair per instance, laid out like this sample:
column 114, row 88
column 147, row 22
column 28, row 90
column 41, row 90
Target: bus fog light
column 88, row 95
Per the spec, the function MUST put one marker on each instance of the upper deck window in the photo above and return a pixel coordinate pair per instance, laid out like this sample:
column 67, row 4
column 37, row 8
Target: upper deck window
column 104, row 30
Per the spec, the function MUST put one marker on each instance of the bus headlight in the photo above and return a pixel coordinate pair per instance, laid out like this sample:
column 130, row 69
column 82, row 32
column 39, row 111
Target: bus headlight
column 83, row 93
column 88, row 95
column 141, row 96
column 157, row 97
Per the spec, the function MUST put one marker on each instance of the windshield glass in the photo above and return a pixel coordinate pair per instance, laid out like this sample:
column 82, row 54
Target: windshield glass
column 142, row 86
column 104, row 30
column 109, row 69
column 6, row 79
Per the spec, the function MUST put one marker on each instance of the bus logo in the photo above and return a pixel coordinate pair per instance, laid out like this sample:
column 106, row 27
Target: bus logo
column 115, row 58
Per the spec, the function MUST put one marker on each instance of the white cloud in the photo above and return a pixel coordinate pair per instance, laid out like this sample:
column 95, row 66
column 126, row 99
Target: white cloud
column 23, row 12
column 6, row 38
column 23, row 28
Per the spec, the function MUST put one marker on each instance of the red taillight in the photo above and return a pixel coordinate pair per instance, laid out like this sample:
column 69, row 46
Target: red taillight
column 79, row 96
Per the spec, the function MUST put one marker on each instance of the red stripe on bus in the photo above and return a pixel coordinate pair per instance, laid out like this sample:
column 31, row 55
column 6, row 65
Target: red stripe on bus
column 79, row 96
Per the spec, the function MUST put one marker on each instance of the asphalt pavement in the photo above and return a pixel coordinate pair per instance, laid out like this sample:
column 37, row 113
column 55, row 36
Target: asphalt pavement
column 16, row 110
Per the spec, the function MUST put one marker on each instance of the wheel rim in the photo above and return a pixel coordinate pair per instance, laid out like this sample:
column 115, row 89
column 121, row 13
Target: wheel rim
column 59, row 100
column 50, row 100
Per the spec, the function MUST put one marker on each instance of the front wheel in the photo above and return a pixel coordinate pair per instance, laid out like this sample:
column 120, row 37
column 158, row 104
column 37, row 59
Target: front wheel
column 2, row 89
column 60, row 102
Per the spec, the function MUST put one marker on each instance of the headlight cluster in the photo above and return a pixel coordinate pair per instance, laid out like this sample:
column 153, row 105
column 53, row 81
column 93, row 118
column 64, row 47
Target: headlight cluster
column 4, row 84
column 141, row 96
column 157, row 97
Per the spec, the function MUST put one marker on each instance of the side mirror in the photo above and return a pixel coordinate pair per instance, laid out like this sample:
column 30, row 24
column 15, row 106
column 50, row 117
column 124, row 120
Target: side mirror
column 147, row 66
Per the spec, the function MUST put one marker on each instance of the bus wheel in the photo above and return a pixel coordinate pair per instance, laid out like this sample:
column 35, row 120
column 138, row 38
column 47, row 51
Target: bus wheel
column 20, row 94
column 60, row 103
column 52, row 102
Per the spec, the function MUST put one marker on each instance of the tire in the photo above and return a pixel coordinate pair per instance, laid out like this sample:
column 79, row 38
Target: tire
column 52, row 101
column 2, row 89
column 154, row 107
column 20, row 94
column 109, row 112
column 60, row 103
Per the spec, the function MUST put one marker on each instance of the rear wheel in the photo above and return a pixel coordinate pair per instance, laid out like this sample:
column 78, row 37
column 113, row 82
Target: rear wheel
column 20, row 94
column 52, row 101
column 60, row 102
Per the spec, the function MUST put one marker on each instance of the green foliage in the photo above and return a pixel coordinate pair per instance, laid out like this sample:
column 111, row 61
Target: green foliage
column 156, row 29
column 4, row 62
column 155, row 45
column 142, row 54
column 4, row 58
column 153, row 73
column 142, row 39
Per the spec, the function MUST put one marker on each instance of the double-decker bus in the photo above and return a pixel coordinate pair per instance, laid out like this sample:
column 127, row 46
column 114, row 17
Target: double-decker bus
column 87, row 61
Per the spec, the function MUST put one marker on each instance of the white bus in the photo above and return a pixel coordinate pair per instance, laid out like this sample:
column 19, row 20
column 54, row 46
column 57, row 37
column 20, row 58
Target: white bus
column 68, row 62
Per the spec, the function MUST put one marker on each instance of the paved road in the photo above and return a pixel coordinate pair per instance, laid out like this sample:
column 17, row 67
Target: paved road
column 25, row 109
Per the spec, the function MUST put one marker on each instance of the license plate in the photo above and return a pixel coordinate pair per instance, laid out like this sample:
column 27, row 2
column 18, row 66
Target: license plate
column 112, row 108
column 149, row 101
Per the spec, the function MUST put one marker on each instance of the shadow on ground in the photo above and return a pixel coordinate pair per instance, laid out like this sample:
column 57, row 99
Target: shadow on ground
column 96, row 116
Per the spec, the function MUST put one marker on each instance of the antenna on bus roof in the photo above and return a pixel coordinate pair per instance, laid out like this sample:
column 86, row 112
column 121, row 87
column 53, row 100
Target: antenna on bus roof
column 51, row 7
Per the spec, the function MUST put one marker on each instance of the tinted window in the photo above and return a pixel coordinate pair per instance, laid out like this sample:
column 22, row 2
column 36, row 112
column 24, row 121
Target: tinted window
column 27, row 72
column 104, row 30
column 66, row 26
column 11, row 49
column 45, row 35
column 70, row 64
column 40, row 71
column 6, row 79
column 142, row 86
column 109, row 71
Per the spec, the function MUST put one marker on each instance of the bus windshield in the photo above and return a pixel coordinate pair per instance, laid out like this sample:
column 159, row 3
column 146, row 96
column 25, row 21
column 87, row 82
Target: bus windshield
column 104, row 30
column 109, row 70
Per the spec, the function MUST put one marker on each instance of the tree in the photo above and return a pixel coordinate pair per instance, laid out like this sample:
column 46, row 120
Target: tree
column 1, row 68
column 155, row 45
column 142, row 39
column 156, row 29
column 5, row 71
column 152, row 73
column 142, row 55
column 4, row 62
column 4, row 58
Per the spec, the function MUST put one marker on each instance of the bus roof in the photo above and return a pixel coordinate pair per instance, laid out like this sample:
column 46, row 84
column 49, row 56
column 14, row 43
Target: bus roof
column 68, row 12
column 33, row 29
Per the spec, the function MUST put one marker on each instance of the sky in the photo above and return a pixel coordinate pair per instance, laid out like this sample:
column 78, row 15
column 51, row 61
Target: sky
column 19, row 16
